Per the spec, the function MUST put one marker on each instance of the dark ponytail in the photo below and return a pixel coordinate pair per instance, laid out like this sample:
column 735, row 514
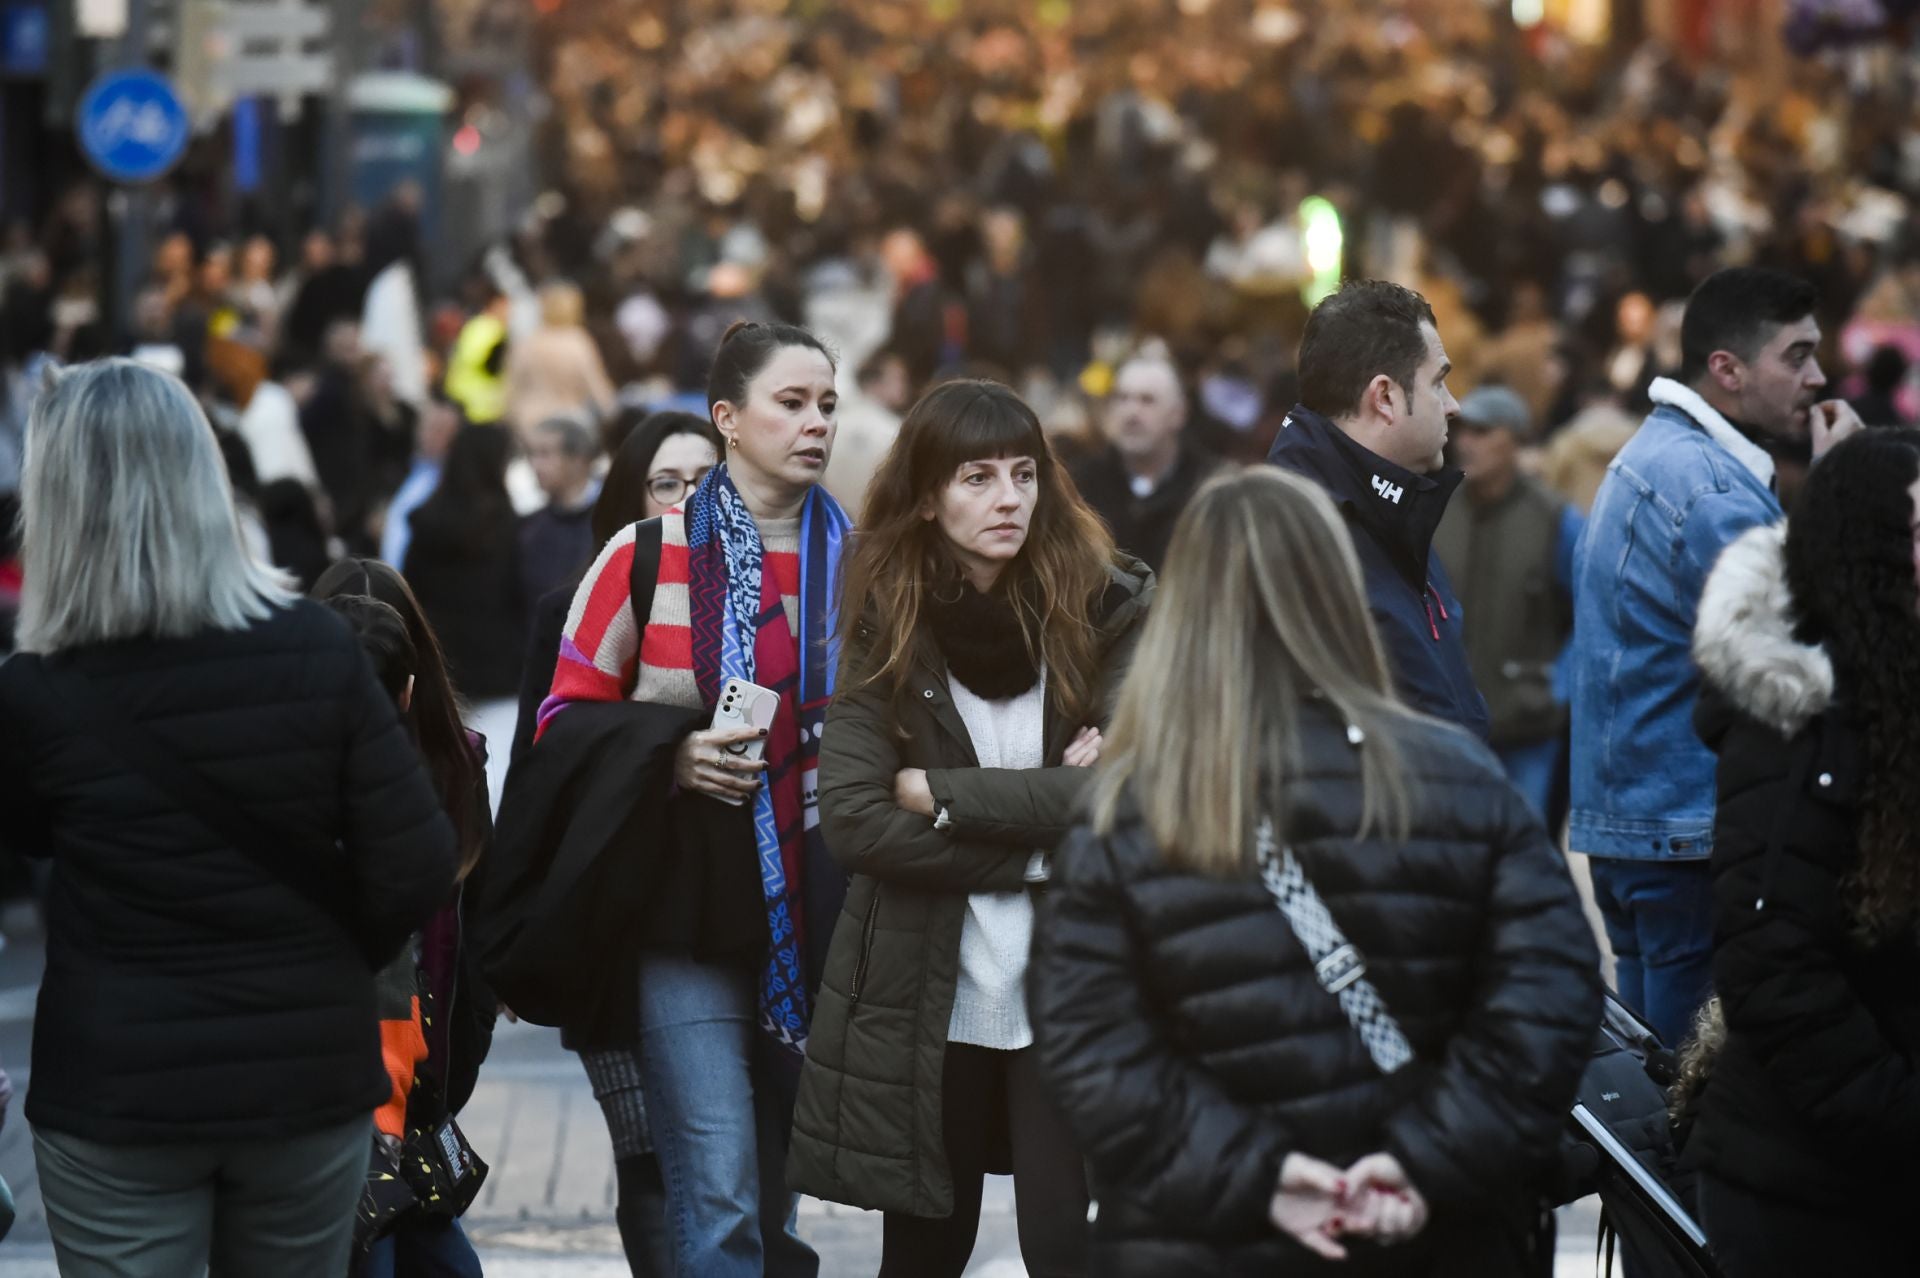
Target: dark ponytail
column 435, row 720
column 383, row 635
column 746, row 348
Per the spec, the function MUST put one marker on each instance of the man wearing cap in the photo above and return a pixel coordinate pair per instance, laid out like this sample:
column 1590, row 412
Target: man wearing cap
column 1508, row 542
column 1371, row 429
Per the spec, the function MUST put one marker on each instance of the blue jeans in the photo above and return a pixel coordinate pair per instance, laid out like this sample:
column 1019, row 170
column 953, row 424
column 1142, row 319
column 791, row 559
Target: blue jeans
column 422, row 1248
column 720, row 1119
column 1530, row 768
column 1659, row 917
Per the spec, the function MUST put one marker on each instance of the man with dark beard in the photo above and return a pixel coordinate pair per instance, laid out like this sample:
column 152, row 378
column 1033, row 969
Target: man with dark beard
column 1700, row 472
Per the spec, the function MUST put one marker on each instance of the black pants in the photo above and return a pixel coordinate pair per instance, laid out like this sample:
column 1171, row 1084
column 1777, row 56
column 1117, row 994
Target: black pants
column 1755, row 1236
column 990, row 1099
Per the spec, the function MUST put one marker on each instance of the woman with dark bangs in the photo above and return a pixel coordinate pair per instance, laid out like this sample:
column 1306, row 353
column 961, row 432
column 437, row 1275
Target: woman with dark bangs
column 1809, row 640
column 987, row 616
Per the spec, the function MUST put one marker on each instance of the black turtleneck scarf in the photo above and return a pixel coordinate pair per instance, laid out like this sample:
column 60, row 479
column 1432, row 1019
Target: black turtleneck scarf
column 981, row 638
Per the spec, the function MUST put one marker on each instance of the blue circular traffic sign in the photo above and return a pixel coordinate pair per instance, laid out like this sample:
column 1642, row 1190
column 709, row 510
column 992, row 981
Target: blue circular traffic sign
column 132, row 125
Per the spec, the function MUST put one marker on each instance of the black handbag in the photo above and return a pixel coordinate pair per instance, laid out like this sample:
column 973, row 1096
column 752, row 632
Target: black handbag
column 1619, row 1145
column 385, row 1199
column 438, row 1164
column 435, row 1173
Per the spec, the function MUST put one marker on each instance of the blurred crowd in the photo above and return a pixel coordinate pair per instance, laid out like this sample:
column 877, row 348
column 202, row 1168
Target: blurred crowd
column 1124, row 210
column 1036, row 193
column 1047, row 185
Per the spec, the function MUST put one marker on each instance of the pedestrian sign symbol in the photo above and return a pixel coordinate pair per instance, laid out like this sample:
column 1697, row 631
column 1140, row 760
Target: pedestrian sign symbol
column 132, row 125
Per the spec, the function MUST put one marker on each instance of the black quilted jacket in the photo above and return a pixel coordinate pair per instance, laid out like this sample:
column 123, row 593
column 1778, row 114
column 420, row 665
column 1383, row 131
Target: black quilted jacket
column 1185, row 1036
column 1814, row 1098
column 191, row 995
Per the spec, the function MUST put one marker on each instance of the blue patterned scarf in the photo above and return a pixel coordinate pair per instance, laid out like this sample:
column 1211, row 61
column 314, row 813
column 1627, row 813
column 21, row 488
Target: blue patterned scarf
column 740, row 631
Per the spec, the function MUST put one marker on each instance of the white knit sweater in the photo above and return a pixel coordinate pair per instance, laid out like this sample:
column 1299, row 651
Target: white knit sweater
column 990, row 1000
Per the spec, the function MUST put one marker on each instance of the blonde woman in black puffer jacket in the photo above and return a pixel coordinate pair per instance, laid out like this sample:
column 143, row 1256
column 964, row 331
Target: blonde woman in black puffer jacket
column 1235, row 1121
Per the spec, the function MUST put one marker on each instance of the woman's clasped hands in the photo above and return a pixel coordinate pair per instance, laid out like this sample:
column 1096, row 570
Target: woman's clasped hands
column 1317, row 1204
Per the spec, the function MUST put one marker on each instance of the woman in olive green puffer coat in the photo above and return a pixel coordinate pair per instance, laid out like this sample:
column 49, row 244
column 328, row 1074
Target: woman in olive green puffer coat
column 993, row 618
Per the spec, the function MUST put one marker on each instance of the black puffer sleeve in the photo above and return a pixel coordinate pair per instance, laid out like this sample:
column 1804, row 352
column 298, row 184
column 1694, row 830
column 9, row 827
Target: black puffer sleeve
column 25, row 827
column 1782, row 938
column 1495, row 1106
column 1147, row 1120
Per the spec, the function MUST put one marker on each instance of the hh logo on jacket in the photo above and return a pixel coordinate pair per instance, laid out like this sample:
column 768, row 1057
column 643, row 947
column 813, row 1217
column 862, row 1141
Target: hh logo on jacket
column 1392, row 492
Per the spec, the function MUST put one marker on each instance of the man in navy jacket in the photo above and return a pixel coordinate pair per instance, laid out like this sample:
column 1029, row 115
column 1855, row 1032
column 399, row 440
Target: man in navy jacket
column 1371, row 428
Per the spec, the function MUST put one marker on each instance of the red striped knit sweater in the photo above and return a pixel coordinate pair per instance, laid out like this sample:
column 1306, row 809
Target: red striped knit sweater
column 605, row 652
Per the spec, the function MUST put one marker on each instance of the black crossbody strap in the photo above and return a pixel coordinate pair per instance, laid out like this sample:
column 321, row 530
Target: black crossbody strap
column 222, row 814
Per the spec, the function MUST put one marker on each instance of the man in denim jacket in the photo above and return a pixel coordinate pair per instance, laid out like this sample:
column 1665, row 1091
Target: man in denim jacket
column 1697, row 475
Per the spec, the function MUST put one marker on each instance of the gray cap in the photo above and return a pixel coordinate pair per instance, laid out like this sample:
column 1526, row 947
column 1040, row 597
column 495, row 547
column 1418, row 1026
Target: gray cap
column 1497, row 408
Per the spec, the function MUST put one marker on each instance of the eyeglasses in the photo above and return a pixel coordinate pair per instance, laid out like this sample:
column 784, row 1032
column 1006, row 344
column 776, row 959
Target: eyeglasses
column 668, row 488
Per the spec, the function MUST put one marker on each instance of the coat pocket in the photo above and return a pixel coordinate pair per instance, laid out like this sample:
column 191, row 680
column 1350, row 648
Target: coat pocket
column 866, row 946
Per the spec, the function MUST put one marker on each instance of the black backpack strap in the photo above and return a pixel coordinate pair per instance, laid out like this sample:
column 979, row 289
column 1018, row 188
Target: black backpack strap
column 222, row 814
column 543, row 644
column 645, row 572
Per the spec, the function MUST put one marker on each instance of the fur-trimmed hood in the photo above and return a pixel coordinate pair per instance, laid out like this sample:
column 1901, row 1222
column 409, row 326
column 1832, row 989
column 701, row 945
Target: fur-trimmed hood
column 1744, row 641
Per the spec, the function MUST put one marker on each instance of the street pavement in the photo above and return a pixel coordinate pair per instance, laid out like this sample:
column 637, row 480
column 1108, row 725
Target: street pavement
column 547, row 1208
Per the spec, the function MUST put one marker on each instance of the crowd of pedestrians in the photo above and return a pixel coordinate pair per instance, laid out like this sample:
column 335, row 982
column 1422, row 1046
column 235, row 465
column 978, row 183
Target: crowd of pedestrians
column 1038, row 199
column 865, row 857
column 1017, row 672
column 1043, row 188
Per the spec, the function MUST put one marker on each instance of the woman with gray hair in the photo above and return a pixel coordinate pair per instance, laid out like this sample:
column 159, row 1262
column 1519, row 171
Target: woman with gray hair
column 240, row 835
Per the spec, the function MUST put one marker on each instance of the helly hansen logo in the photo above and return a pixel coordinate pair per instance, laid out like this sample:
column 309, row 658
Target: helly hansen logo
column 1392, row 492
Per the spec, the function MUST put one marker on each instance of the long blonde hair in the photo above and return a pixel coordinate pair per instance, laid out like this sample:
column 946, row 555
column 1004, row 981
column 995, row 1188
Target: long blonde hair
column 1260, row 605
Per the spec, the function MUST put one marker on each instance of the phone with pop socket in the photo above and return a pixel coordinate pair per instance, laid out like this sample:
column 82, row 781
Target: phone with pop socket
column 746, row 705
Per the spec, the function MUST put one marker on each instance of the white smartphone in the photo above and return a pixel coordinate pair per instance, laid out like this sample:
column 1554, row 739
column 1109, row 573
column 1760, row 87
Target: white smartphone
column 746, row 705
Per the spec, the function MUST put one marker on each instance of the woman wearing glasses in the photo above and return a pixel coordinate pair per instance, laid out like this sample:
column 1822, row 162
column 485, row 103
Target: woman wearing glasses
column 653, row 471
column 689, row 449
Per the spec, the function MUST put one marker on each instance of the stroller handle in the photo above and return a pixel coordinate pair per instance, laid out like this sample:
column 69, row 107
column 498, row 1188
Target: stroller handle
column 1648, row 1183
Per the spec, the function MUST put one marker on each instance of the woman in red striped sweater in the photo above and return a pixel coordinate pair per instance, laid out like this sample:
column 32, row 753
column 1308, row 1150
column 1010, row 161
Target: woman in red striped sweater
column 741, row 583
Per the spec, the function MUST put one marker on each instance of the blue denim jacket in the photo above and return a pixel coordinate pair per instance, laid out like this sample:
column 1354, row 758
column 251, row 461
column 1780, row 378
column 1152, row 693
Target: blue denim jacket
column 1643, row 784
